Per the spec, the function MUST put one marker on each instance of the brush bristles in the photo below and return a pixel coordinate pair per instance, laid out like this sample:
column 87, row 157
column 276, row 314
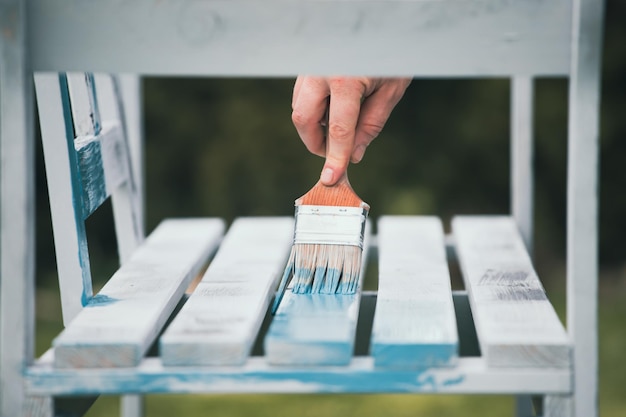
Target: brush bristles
column 324, row 269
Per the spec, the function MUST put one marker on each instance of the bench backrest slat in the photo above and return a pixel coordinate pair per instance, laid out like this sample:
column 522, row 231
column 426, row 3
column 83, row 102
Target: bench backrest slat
column 87, row 161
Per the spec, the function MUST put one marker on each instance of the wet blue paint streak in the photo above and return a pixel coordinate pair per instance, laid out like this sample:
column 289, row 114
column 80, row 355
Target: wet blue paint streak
column 77, row 192
column 100, row 300
column 413, row 356
column 274, row 380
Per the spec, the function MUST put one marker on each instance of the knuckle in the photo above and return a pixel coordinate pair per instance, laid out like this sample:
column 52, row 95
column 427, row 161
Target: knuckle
column 372, row 130
column 299, row 118
column 340, row 132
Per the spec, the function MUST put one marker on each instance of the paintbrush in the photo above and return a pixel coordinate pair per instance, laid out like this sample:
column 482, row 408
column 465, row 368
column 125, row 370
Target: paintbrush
column 328, row 242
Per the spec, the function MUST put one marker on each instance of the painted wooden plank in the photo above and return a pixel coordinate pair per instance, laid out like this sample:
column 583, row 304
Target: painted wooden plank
column 64, row 189
column 414, row 324
column 103, row 164
column 17, row 207
column 315, row 329
column 582, row 200
column 522, row 176
column 220, row 321
column 470, row 376
column 118, row 324
column 247, row 37
column 126, row 197
column 85, row 114
column 515, row 322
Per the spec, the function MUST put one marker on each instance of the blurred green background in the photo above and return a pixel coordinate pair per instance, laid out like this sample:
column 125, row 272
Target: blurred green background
column 227, row 148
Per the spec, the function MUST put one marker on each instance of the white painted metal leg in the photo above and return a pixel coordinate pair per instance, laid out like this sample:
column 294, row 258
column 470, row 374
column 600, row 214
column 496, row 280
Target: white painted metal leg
column 131, row 93
column 131, row 406
column 582, row 203
column 523, row 406
column 558, row 406
column 522, row 177
column 17, row 218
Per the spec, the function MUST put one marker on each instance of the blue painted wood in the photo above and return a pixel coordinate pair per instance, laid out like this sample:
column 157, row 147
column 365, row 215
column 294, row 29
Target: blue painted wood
column 414, row 325
column 256, row 376
column 103, row 165
column 315, row 329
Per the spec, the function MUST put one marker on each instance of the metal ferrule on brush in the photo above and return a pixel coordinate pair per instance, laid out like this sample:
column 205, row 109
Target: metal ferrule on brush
column 330, row 225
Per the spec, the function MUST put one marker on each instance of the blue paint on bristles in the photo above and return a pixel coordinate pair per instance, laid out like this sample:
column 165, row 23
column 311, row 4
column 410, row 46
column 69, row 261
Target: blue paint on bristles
column 328, row 242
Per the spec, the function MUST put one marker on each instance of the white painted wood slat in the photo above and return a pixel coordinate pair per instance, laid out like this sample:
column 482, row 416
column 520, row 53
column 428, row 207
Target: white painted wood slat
column 85, row 114
column 118, row 324
column 315, row 329
column 64, row 189
column 414, row 324
column 247, row 37
column 219, row 322
column 515, row 323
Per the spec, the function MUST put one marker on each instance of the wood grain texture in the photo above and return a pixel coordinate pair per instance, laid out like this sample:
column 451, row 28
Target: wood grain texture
column 118, row 324
column 315, row 329
column 103, row 165
column 515, row 322
column 246, row 37
column 414, row 324
column 219, row 322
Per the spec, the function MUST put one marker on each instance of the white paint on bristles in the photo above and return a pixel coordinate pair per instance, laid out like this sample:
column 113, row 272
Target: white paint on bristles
column 220, row 321
column 118, row 325
column 414, row 324
column 515, row 322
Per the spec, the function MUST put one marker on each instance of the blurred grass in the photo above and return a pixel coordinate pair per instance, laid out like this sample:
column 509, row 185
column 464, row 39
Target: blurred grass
column 612, row 311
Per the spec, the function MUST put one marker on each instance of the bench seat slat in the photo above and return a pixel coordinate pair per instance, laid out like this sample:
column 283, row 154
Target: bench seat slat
column 515, row 322
column 470, row 376
column 221, row 319
column 414, row 324
column 118, row 325
column 315, row 329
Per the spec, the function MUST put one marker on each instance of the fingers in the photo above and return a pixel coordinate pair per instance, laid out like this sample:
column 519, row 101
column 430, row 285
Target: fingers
column 375, row 111
column 309, row 105
column 343, row 116
column 359, row 108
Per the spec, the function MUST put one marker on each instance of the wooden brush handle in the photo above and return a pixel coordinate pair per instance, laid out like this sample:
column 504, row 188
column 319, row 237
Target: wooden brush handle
column 341, row 194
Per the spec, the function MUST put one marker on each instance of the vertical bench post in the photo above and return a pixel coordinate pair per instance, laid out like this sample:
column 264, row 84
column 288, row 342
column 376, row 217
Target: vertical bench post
column 17, row 220
column 582, row 202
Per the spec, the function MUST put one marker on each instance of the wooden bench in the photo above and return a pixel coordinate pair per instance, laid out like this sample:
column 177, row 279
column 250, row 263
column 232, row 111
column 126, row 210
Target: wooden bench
column 413, row 335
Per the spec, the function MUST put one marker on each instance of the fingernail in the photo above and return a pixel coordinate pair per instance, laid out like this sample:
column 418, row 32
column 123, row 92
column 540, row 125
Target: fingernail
column 358, row 153
column 327, row 176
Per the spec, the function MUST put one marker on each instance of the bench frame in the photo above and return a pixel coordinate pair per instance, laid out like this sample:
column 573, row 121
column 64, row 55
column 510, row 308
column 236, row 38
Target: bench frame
column 27, row 44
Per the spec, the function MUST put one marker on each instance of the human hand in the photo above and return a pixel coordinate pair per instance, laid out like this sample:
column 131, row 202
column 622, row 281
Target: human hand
column 357, row 109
